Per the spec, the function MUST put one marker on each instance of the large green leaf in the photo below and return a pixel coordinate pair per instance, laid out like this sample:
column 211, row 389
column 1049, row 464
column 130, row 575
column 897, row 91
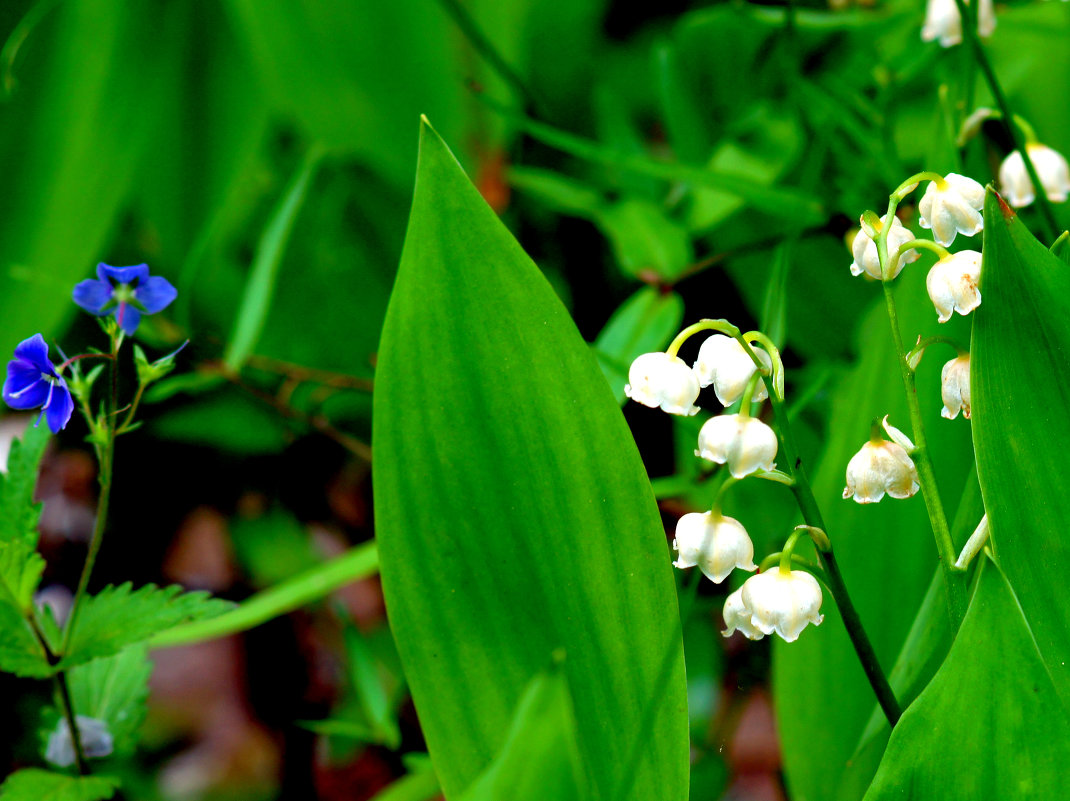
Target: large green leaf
column 514, row 515
column 33, row 784
column 1020, row 367
column 990, row 726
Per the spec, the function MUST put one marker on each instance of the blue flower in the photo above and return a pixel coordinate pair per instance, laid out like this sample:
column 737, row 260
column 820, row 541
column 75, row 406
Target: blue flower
column 32, row 382
column 126, row 292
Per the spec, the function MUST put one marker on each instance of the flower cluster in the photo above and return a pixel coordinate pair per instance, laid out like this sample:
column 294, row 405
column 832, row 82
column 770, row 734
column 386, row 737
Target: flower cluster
column 773, row 601
column 34, row 382
column 1052, row 170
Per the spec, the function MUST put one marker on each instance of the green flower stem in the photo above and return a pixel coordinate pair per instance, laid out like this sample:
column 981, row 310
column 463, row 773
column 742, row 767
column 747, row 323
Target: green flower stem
column 105, row 455
column 64, row 695
column 718, row 499
column 940, row 251
column 67, row 706
column 773, row 559
column 811, row 512
column 1047, row 213
column 789, row 549
column 953, row 580
column 721, row 326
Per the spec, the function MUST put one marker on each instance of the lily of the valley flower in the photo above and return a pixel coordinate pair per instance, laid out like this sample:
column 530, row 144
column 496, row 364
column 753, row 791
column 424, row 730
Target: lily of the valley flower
column 864, row 250
column 776, row 600
column 952, row 284
column 952, row 206
column 882, row 467
column 955, row 387
column 738, row 618
column 93, row 733
column 660, row 380
column 1052, row 170
column 744, row 443
column 33, row 383
column 943, row 21
column 723, row 363
column 715, row 543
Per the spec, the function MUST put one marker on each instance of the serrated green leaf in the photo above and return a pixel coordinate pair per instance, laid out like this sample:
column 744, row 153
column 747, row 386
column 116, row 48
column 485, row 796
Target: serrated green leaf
column 644, row 322
column 995, row 686
column 120, row 616
column 1020, row 377
column 525, row 464
column 540, row 758
column 114, row 689
column 20, row 565
column 33, row 784
column 20, row 652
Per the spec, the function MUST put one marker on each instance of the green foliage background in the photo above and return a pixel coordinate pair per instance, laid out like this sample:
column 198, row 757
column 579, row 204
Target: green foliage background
column 658, row 167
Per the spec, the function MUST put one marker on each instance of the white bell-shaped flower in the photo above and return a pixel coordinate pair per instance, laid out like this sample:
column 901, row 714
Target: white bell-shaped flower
column 952, row 206
column 715, row 543
column 864, row 250
column 955, row 387
column 93, row 733
column 784, row 602
column 944, row 23
column 882, row 467
column 953, row 284
column 738, row 618
column 1052, row 170
column 744, row 443
column 723, row 363
column 658, row 379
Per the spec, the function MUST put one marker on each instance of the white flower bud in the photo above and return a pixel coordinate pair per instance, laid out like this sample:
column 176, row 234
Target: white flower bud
column 955, row 387
column 745, row 443
column 658, row 379
column 93, row 733
column 782, row 602
column 952, row 284
column 952, row 208
column 723, row 363
column 864, row 250
column 881, row 467
column 738, row 618
column 717, row 544
column 1052, row 170
column 943, row 21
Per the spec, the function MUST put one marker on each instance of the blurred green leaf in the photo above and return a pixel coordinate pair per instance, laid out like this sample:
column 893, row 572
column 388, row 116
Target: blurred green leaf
column 20, row 651
column 311, row 585
column 1020, row 375
column 227, row 420
column 419, row 784
column 273, row 547
column 645, row 322
column 119, row 616
column 1061, row 248
column 488, row 481
column 33, row 784
column 371, row 693
column 681, row 111
column 540, row 757
column 260, row 286
column 963, row 740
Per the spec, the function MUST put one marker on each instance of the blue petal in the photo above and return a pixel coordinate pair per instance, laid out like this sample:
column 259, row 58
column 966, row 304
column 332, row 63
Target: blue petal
column 58, row 411
column 35, row 351
column 122, row 275
column 129, row 318
column 24, row 389
column 92, row 295
column 155, row 294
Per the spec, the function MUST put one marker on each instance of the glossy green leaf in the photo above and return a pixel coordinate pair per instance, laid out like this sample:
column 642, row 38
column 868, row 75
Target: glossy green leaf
column 1061, row 247
column 540, row 757
column 33, row 784
column 995, row 687
column 514, row 516
column 1020, row 377
column 645, row 322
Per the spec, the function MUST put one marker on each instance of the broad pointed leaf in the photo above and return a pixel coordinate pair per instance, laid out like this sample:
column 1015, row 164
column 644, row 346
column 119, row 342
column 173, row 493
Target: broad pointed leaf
column 1020, row 376
column 514, row 515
